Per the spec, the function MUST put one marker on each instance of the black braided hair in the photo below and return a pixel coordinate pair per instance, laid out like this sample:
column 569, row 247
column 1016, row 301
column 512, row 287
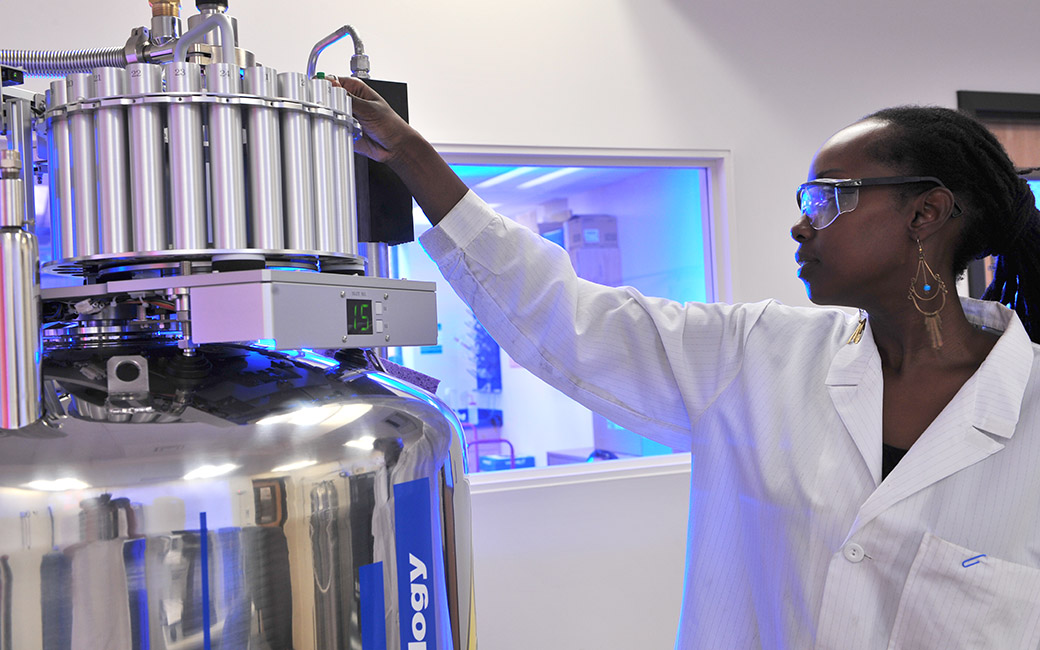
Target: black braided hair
column 998, row 206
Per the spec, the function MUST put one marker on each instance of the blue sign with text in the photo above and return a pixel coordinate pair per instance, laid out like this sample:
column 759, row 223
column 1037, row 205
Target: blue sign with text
column 415, row 569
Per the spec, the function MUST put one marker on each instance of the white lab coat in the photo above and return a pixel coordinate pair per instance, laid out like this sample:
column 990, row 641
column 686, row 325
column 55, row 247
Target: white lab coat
column 794, row 541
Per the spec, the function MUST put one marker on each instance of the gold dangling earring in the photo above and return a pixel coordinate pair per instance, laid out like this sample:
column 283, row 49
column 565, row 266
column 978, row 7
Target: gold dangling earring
column 857, row 334
column 932, row 289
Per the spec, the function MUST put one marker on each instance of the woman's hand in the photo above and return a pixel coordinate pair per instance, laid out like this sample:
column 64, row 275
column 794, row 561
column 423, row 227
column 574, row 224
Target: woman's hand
column 387, row 138
column 383, row 130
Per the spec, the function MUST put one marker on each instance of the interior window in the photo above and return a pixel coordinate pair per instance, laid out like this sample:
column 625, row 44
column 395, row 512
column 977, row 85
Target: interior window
column 645, row 226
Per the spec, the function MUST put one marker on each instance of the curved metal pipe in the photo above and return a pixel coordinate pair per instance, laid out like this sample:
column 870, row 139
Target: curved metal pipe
column 58, row 63
column 194, row 35
column 359, row 66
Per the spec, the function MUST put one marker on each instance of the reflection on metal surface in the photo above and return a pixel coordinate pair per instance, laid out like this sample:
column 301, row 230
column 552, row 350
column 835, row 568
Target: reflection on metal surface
column 165, row 484
column 291, row 463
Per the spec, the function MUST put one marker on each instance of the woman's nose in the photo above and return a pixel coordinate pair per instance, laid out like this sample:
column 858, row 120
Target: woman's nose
column 802, row 229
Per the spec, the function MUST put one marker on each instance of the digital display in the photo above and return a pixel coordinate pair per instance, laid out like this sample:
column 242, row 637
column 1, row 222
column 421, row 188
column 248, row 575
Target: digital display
column 359, row 316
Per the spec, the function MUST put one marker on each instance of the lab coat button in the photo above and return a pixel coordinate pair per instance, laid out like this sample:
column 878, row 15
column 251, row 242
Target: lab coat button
column 853, row 552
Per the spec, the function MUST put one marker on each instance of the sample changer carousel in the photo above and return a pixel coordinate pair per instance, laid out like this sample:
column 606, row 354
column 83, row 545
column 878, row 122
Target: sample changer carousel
column 198, row 448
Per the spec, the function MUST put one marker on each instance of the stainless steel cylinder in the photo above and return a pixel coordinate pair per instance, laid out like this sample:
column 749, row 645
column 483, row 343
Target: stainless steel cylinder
column 297, row 163
column 320, row 92
column 20, row 321
column 12, row 206
column 80, row 86
column 226, row 166
column 265, row 162
column 187, row 164
column 112, row 169
column 12, row 214
column 147, row 171
column 63, row 229
column 344, row 195
column 20, row 390
column 19, row 138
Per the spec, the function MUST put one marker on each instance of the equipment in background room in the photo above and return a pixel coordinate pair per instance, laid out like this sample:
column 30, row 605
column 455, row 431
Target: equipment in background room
column 591, row 241
column 198, row 448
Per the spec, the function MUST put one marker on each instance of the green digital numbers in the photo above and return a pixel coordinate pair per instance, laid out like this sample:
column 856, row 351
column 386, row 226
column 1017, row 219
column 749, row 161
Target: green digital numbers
column 359, row 316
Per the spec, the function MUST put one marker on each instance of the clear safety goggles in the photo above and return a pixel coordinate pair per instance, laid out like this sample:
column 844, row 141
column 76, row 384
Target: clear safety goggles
column 821, row 200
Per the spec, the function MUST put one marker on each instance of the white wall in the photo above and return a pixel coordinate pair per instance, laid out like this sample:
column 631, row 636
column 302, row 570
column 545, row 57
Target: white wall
column 768, row 81
column 581, row 560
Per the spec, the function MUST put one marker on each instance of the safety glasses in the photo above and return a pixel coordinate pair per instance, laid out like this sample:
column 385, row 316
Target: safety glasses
column 823, row 199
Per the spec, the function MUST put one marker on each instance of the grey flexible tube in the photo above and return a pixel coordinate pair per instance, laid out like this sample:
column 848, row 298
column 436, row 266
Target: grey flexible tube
column 58, row 63
column 346, row 30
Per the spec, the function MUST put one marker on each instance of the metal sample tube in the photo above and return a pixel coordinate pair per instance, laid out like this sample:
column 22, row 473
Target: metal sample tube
column 21, row 388
column 320, row 92
column 147, row 182
column 84, row 178
column 12, row 206
column 187, row 165
column 63, row 229
column 265, row 162
column 344, row 197
column 112, row 171
column 296, row 164
column 19, row 138
column 226, row 173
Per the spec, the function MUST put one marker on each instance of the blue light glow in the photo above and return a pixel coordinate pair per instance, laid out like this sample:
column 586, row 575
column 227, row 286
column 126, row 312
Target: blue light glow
column 660, row 257
column 291, row 268
column 303, row 354
column 1035, row 186
column 204, row 543
column 475, row 173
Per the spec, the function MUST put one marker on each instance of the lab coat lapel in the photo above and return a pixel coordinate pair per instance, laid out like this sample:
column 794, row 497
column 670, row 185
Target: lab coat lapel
column 855, row 385
column 949, row 444
column 968, row 430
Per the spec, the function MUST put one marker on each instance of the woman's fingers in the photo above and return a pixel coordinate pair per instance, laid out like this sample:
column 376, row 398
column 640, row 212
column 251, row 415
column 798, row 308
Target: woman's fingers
column 381, row 126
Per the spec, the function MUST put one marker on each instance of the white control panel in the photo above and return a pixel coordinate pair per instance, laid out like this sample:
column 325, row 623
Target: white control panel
column 290, row 309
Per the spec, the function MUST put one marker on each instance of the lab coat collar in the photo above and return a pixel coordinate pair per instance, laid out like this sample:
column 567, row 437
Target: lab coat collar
column 989, row 403
column 1002, row 376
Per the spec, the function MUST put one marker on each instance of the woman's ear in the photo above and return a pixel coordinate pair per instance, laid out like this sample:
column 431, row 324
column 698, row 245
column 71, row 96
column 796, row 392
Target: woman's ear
column 931, row 212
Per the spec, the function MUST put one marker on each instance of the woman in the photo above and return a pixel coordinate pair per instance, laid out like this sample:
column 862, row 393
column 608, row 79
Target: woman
column 857, row 483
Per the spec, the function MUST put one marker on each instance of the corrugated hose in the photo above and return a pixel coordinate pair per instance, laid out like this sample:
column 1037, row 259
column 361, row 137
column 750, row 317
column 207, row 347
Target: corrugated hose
column 58, row 63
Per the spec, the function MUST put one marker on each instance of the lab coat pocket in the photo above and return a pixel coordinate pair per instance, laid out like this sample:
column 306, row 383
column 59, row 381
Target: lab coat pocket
column 958, row 598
